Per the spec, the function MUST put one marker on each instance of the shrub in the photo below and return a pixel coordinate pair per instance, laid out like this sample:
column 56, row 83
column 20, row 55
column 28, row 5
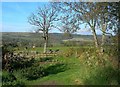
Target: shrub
column 76, row 52
column 21, row 62
column 17, row 62
column 13, row 84
column 8, row 77
column 68, row 53
column 102, row 76
column 46, row 59
column 36, row 71
column 33, row 72
column 11, row 62
column 55, row 68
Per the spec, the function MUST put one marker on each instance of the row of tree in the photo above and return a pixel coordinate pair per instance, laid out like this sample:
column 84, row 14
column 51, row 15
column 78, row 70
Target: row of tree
column 68, row 16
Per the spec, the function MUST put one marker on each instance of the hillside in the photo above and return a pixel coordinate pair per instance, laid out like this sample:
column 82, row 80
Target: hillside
column 28, row 38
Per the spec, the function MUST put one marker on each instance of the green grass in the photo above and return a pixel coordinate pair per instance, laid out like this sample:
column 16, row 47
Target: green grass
column 77, row 74
column 76, row 71
column 67, row 77
column 40, row 49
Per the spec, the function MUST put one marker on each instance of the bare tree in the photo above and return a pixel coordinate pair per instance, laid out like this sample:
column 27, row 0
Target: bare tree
column 102, row 19
column 68, row 23
column 44, row 20
column 92, row 14
column 88, row 13
column 85, row 13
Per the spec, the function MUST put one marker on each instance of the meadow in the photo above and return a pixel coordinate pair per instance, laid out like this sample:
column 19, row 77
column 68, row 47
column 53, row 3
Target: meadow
column 71, row 66
column 83, row 51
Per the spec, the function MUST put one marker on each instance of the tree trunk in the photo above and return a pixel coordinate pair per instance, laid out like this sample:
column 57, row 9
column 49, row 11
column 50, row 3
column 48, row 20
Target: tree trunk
column 94, row 33
column 45, row 47
column 103, row 40
column 95, row 37
column 46, row 41
column 103, row 35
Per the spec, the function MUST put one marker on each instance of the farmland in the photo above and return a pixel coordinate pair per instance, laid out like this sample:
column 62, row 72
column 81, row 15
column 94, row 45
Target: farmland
column 72, row 65
column 60, row 43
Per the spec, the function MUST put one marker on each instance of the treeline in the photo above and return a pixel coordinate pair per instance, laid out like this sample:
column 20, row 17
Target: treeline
column 30, row 39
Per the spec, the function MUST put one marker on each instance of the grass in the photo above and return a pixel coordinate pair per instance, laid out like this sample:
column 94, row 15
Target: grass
column 72, row 71
column 76, row 73
column 40, row 49
column 66, row 77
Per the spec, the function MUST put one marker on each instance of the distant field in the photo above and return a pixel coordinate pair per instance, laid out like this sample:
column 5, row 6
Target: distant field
column 72, row 65
column 61, row 48
column 55, row 39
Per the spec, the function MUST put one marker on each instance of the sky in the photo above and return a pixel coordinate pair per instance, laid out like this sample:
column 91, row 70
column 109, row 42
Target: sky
column 15, row 17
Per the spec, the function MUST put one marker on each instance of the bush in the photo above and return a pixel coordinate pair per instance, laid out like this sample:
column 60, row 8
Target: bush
column 33, row 72
column 46, row 59
column 16, row 62
column 93, row 58
column 55, row 68
column 21, row 62
column 11, row 62
column 76, row 52
column 13, row 84
column 102, row 76
column 68, row 53
column 8, row 77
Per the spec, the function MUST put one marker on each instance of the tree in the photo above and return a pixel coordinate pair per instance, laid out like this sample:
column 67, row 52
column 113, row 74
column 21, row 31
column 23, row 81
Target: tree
column 68, row 23
column 102, row 19
column 44, row 20
column 84, row 12
column 92, row 14
column 115, row 21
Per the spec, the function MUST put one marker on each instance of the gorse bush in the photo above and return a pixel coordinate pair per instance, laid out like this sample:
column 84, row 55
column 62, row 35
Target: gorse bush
column 8, row 79
column 21, row 62
column 69, row 52
column 13, row 84
column 98, row 76
column 12, row 62
column 112, row 51
column 46, row 59
column 55, row 68
column 73, row 52
column 33, row 72
column 93, row 57
column 17, row 62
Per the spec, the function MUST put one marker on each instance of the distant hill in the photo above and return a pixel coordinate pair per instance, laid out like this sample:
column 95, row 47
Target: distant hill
column 35, row 38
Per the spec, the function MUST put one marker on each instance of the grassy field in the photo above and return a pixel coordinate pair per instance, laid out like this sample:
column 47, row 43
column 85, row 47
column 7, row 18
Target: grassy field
column 89, row 68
